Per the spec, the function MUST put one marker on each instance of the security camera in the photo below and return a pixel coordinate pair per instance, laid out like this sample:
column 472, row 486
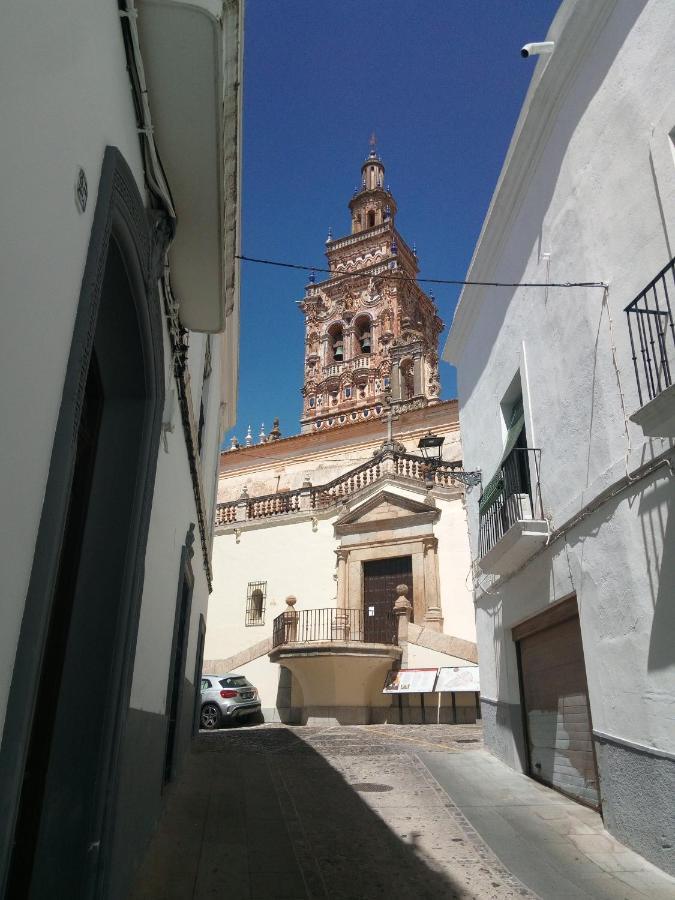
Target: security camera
column 537, row 49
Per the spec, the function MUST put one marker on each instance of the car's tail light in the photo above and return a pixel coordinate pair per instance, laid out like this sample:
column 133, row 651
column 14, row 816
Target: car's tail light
column 227, row 695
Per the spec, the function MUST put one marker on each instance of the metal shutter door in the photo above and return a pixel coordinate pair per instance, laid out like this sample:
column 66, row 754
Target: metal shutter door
column 558, row 715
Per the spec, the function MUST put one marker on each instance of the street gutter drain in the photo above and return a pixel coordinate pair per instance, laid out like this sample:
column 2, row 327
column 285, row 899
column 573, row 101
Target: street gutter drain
column 365, row 787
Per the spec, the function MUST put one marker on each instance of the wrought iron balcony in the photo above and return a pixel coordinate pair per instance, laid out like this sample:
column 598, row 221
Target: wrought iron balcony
column 512, row 520
column 652, row 335
column 333, row 626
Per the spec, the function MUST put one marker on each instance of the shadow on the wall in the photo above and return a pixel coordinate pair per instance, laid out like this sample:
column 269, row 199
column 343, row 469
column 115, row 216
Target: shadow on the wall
column 262, row 813
column 657, row 521
column 655, row 501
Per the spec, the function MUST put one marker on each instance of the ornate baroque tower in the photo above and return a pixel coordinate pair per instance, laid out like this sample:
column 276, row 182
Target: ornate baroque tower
column 371, row 333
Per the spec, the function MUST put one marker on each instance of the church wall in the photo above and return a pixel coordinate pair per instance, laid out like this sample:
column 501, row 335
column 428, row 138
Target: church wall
column 298, row 558
column 291, row 557
column 283, row 465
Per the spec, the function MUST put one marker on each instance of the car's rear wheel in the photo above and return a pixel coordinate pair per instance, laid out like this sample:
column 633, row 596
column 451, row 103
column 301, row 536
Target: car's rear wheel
column 210, row 717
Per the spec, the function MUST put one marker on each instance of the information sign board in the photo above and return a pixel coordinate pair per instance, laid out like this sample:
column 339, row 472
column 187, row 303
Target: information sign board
column 410, row 681
column 458, row 678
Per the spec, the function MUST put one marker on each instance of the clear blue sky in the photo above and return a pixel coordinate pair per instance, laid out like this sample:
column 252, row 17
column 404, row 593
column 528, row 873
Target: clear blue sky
column 440, row 82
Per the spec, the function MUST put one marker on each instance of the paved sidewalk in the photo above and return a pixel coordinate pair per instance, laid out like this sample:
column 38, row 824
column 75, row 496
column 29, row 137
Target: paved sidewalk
column 273, row 812
column 370, row 812
column 559, row 848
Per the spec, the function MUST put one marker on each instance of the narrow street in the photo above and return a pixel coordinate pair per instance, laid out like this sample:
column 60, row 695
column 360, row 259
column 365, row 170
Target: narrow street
column 373, row 812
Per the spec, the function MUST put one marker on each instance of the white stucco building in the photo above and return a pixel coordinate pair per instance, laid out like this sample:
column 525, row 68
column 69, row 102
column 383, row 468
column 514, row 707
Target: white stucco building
column 341, row 515
column 119, row 226
column 567, row 408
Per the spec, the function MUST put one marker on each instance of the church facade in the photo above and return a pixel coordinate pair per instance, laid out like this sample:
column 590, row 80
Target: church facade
column 341, row 553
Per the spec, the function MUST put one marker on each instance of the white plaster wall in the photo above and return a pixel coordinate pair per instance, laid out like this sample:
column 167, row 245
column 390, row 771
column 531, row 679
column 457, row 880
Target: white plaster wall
column 291, row 558
column 591, row 203
column 173, row 509
column 65, row 96
column 454, row 568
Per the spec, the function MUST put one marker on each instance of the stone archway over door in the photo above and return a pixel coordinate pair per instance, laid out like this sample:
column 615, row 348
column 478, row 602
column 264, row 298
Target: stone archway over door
column 388, row 525
column 380, row 580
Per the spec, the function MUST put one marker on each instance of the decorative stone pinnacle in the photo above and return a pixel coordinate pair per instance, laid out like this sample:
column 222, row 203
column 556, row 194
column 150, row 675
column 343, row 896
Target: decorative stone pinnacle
column 291, row 601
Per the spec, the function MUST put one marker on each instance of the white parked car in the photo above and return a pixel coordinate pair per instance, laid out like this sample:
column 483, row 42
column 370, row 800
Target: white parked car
column 226, row 698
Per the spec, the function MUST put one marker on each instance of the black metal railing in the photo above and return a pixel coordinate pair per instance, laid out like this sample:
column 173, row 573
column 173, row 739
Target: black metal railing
column 515, row 496
column 307, row 625
column 652, row 334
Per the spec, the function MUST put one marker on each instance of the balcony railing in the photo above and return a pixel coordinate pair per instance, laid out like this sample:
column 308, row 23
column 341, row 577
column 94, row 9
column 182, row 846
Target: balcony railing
column 335, row 625
column 513, row 496
column 323, row 496
column 363, row 361
column 652, row 334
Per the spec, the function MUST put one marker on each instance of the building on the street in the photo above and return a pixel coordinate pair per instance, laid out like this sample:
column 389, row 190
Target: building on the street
column 567, row 407
column 318, row 535
column 120, row 228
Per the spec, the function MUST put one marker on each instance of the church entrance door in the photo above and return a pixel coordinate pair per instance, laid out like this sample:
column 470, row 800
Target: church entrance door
column 380, row 579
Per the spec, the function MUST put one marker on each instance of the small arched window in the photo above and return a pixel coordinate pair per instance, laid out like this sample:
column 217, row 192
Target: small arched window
column 363, row 334
column 337, row 343
column 371, row 219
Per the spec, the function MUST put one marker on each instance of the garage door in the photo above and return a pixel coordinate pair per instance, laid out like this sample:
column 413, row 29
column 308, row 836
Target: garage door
column 555, row 693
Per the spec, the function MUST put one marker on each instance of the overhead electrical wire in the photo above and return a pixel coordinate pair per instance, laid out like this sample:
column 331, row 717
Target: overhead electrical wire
column 398, row 273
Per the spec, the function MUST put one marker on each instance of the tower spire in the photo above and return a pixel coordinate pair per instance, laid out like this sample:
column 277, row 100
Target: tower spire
column 373, row 145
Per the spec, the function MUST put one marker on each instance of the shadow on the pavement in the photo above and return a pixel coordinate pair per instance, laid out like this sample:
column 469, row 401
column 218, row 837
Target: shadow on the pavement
column 299, row 828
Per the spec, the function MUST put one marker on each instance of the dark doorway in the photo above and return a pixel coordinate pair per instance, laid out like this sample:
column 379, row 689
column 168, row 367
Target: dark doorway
column 199, row 663
column 177, row 672
column 70, row 690
column 380, row 580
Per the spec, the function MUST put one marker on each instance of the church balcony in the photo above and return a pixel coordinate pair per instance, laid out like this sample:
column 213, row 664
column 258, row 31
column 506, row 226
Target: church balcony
column 343, row 631
column 351, row 365
column 338, row 660
column 357, row 238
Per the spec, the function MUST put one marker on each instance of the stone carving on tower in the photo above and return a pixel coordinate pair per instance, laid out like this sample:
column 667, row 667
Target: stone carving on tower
column 371, row 333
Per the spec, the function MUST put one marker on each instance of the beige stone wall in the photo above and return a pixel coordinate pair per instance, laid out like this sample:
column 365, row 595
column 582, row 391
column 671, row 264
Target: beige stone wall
column 299, row 558
column 282, row 465
column 297, row 555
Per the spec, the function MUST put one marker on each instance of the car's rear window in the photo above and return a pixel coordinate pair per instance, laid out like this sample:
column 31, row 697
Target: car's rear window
column 237, row 681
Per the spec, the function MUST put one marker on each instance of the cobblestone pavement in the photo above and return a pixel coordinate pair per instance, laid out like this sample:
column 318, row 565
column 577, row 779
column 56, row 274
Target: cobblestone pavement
column 348, row 813
column 355, row 813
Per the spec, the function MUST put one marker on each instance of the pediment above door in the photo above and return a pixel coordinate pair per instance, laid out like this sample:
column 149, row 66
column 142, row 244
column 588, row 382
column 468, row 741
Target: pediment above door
column 385, row 511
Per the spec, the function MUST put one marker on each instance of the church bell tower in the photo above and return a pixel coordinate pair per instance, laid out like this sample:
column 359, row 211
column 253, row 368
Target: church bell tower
column 371, row 333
